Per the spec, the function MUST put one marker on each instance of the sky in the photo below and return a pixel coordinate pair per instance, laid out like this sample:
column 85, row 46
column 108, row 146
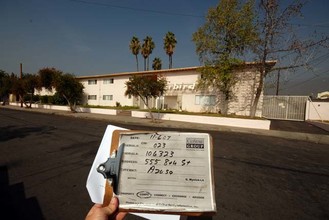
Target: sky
column 91, row 37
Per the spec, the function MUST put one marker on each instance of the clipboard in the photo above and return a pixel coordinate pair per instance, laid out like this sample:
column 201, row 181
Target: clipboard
column 160, row 172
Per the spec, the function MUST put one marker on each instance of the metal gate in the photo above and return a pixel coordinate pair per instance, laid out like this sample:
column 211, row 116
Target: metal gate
column 285, row 107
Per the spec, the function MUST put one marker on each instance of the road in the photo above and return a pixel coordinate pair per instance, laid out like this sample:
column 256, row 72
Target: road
column 45, row 160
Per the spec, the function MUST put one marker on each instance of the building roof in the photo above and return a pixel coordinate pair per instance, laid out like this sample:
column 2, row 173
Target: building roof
column 139, row 73
column 185, row 69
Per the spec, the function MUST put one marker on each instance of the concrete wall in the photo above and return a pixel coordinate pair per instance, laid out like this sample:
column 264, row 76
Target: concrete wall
column 67, row 108
column 235, row 122
column 317, row 111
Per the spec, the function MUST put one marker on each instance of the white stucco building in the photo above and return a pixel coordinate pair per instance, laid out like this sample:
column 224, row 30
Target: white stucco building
column 181, row 94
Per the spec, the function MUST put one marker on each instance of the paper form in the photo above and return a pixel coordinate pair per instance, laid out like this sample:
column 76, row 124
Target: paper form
column 166, row 171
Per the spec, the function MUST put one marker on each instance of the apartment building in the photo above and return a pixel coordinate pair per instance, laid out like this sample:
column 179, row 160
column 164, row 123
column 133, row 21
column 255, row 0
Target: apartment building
column 181, row 94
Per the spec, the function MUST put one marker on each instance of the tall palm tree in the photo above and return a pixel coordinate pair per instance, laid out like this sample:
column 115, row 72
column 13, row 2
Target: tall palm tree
column 157, row 64
column 169, row 44
column 147, row 49
column 135, row 47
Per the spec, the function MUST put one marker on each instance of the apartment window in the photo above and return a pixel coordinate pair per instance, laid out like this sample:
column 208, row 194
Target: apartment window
column 108, row 97
column 108, row 81
column 92, row 97
column 92, row 82
column 205, row 100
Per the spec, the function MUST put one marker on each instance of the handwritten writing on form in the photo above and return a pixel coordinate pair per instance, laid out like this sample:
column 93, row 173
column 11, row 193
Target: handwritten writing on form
column 166, row 171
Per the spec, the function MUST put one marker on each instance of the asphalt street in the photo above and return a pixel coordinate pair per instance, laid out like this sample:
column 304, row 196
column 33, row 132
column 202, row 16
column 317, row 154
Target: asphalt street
column 45, row 160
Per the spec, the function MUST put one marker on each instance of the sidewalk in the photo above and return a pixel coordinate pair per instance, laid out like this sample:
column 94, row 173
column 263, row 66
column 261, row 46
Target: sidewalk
column 310, row 134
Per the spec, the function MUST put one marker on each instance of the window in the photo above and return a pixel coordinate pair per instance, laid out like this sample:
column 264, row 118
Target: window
column 92, row 82
column 108, row 81
column 92, row 97
column 108, row 97
column 205, row 100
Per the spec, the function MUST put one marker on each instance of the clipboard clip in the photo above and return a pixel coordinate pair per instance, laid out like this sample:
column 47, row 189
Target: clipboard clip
column 110, row 169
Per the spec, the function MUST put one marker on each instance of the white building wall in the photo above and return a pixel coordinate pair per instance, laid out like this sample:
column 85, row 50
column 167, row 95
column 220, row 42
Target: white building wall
column 181, row 91
column 188, row 103
column 102, row 88
column 92, row 90
column 184, row 77
column 244, row 92
column 44, row 92
column 317, row 111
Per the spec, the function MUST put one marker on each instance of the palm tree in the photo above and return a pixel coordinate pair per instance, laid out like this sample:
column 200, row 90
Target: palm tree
column 147, row 48
column 157, row 64
column 169, row 43
column 135, row 47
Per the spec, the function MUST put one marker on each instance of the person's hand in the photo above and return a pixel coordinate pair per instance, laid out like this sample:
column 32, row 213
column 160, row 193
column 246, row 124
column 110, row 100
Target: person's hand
column 97, row 212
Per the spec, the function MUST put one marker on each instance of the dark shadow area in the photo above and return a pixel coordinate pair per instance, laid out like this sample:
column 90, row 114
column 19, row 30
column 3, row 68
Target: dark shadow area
column 274, row 167
column 11, row 132
column 199, row 218
column 296, row 126
column 13, row 204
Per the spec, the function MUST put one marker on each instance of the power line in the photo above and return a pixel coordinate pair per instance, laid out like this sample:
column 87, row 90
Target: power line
column 316, row 61
column 305, row 81
column 310, row 25
column 137, row 9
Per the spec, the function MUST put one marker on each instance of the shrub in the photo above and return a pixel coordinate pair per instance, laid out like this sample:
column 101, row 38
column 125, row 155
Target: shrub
column 44, row 99
column 57, row 100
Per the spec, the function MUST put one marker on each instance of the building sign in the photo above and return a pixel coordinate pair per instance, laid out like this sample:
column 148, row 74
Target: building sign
column 181, row 87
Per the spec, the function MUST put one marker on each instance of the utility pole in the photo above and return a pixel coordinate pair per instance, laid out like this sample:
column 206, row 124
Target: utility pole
column 20, row 78
column 277, row 84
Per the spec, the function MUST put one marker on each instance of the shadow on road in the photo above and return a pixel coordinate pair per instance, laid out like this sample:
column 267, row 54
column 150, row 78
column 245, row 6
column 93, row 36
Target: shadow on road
column 11, row 132
column 13, row 203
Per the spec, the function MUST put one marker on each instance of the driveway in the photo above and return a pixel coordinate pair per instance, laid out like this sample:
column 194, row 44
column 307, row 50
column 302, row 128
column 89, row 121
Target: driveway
column 297, row 126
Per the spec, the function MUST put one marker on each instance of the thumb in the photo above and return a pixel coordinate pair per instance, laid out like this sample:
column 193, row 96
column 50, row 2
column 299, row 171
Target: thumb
column 112, row 207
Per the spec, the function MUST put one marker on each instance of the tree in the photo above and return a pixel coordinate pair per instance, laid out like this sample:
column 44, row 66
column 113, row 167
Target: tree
column 157, row 63
column 220, row 43
column 47, row 77
column 30, row 82
column 146, row 87
column 278, row 41
column 70, row 88
column 17, row 87
column 66, row 85
column 147, row 49
column 169, row 44
column 5, row 86
column 135, row 48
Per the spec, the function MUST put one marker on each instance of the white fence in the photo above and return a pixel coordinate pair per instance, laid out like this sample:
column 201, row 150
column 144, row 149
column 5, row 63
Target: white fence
column 284, row 107
column 317, row 110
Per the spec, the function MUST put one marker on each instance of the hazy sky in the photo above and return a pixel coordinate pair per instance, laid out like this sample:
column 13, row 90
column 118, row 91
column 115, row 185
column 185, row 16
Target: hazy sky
column 90, row 37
